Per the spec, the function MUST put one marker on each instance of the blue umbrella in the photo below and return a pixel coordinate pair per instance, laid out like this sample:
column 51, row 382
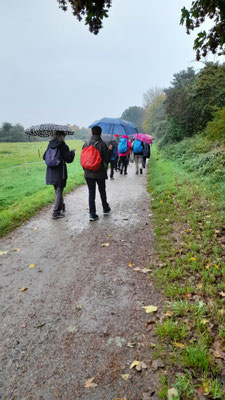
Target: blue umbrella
column 112, row 126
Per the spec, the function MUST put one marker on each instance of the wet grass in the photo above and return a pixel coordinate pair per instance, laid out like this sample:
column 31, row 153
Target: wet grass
column 22, row 186
column 189, row 220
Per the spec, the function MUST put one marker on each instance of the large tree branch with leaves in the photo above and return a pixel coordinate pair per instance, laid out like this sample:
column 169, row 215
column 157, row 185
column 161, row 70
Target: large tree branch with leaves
column 213, row 40
column 93, row 11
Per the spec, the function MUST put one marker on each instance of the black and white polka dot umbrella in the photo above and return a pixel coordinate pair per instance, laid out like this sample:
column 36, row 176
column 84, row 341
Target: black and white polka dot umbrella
column 45, row 130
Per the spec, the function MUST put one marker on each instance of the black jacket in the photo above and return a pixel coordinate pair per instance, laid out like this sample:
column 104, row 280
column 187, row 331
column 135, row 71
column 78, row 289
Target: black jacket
column 58, row 175
column 105, row 154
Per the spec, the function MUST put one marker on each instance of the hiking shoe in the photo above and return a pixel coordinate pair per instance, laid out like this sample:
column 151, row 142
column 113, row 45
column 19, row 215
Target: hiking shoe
column 136, row 172
column 107, row 212
column 93, row 217
column 58, row 215
column 63, row 208
column 121, row 172
column 140, row 170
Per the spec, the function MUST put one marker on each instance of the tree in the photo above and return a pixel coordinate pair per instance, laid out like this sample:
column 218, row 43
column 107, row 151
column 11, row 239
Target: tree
column 94, row 11
column 214, row 40
column 135, row 115
column 155, row 119
column 150, row 96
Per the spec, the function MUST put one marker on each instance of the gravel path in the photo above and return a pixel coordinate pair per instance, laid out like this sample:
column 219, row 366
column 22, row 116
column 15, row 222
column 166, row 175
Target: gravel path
column 82, row 314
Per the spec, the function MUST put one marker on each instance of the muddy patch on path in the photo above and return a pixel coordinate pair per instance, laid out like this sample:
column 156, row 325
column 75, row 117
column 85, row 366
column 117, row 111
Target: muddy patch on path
column 82, row 314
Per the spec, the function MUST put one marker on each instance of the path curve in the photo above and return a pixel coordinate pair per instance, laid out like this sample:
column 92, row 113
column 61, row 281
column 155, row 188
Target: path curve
column 83, row 305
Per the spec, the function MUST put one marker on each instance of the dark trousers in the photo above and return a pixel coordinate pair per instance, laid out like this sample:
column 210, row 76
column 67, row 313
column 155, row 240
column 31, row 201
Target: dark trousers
column 59, row 203
column 91, row 182
column 112, row 166
column 123, row 163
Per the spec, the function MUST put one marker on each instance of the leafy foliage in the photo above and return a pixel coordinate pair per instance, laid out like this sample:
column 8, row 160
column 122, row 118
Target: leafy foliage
column 93, row 11
column 135, row 115
column 155, row 118
column 214, row 40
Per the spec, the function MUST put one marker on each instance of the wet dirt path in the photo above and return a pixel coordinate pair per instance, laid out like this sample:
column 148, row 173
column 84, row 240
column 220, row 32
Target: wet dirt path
column 83, row 306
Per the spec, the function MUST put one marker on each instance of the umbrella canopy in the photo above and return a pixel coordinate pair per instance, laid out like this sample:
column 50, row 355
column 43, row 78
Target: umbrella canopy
column 45, row 130
column 144, row 138
column 112, row 126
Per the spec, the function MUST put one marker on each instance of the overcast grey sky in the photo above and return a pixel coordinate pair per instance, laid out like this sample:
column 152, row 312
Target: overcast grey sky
column 54, row 70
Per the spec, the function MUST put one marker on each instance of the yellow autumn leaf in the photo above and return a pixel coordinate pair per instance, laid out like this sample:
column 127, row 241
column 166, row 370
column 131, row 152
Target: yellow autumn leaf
column 150, row 309
column 180, row 345
column 134, row 364
column 199, row 285
column 105, row 244
column 109, row 235
column 23, row 289
column 192, row 258
column 2, row 253
column 217, row 266
column 125, row 377
column 32, row 265
column 90, row 384
column 204, row 321
column 16, row 249
column 207, row 266
column 130, row 264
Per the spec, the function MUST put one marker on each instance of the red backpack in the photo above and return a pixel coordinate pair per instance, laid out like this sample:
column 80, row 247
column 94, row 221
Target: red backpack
column 91, row 158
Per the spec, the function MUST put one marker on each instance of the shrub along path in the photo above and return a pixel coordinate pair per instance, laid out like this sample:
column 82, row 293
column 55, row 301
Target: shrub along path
column 73, row 292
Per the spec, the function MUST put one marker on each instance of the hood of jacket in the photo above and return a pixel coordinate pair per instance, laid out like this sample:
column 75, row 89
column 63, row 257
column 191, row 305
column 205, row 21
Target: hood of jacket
column 55, row 143
column 125, row 136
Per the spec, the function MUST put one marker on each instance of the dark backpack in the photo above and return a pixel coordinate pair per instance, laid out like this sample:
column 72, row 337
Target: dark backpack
column 53, row 157
column 91, row 158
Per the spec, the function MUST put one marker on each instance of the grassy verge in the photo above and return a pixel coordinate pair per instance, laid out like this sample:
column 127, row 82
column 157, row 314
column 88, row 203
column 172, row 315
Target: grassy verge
column 189, row 221
column 22, row 189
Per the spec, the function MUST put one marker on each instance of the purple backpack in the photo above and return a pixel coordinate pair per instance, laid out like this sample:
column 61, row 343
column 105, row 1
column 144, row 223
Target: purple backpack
column 53, row 157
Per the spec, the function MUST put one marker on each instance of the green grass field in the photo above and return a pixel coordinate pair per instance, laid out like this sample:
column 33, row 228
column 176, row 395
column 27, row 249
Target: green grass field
column 189, row 269
column 22, row 185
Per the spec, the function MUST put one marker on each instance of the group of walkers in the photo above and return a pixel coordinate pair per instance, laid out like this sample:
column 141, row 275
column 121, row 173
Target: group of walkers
column 95, row 158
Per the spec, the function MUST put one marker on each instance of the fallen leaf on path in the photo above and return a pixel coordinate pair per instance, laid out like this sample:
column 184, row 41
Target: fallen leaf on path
column 105, row 244
column 131, row 344
column 109, row 259
column 134, row 364
column 125, row 377
column 137, row 269
column 156, row 364
column 141, row 366
column 72, row 329
column 3, row 253
column 122, row 398
column 79, row 307
column 145, row 270
column 16, row 249
column 32, row 265
column 23, row 289
column 34, row 229
column 109, row 235
column 40, row 325
column 172, row 394
column 150, row 309
column 130, row 264
column 169, row 314
column 90, row 384
column 180, row 345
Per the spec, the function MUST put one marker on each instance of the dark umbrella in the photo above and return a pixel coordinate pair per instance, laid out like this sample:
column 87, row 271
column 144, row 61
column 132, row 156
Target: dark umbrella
column 45, row 130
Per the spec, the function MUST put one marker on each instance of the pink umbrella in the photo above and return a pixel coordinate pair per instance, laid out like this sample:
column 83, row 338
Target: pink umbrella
column 144, row 138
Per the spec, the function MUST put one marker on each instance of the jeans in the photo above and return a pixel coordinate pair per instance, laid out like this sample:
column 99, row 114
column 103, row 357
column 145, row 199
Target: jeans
column 59, row 203
column 112, row 166
column 91, row 182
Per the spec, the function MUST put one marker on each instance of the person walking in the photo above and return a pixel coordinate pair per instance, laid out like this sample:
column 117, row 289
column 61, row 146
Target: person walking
column 56, row 156
column 123, row 152
column 113, row 160
column 138, row 149
column 146, row 153
column 98, row 175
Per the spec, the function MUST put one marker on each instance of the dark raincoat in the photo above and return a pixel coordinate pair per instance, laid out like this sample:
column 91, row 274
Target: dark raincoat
column 58, row 175
column 105, row 153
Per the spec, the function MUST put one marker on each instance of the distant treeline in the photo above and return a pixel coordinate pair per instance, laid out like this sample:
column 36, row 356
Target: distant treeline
column 16, row 133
